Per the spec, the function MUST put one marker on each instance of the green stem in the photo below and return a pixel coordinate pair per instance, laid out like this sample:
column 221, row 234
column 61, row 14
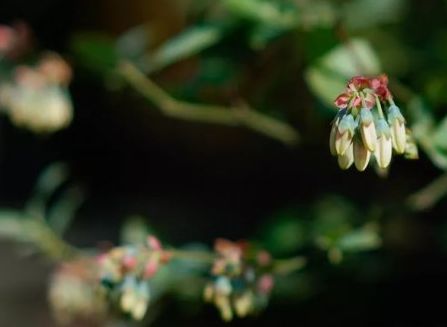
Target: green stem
column 231, row 116
column 287, row 266
column 49, row 242
column 379, row 108
column 200, row 256
column 429, row 195
column 280, row 266
column 363, row 100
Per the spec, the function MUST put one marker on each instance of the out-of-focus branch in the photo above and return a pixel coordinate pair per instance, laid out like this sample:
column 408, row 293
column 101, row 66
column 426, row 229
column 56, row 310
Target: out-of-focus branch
column 290, row 265
column 280, row 266
column 239, row 115
column 48, row 242
column 429, row 195
column 33, row 231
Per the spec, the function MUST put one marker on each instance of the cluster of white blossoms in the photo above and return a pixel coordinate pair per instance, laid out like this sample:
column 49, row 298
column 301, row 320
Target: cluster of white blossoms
column 34, row 96
column 126, row 272
column 369, row 125
column 239, row 285
column 74, row 295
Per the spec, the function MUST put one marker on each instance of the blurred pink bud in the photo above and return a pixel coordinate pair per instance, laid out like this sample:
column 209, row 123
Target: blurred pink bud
column 30, row 78
column 230, row 250
column 150, row 269
column 219, row 266
column 129, row 262
column 55, row 69
column 265, row 284
column 165, row 256
column 15, row 41
column 264, row 258
column 342, row 100
column 380, row 86
column 101, row 258
column 7, row 39
column 154, row 243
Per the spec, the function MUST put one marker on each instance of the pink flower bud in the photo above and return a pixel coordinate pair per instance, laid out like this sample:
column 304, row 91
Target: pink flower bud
column 129, row 262
column 15, row 41
column 154, row 243
column 264, row 258
column 55, row 69
column 342, row 101
column 7, row 39
column 265, row 284
column 150, row 269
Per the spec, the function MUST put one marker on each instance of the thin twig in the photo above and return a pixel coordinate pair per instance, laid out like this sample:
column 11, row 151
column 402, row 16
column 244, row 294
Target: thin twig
column 240, row 115
column 288, row 266
column 280, row 266
column 191, row 255
column 429, row 195
column 47, row 241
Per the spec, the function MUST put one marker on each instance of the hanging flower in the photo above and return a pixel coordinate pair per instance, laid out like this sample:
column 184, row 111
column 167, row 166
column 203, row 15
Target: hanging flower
column 241, row 279
column 74, row 294
column 125, row 273
column 368, row 125
column 37, row 97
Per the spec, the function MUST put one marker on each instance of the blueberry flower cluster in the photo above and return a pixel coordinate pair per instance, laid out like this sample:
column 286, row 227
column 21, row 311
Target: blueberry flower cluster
column 369, row 125
column 241, row 279
column 125, row 273
column 33, row 94
column 74, row 294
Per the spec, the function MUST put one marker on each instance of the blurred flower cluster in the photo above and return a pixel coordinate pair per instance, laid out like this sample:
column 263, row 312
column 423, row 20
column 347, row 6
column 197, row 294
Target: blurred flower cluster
column 74, row 294
column 125, row 273
column 34, row 95
column 241, row 279
column 369, row 122
column 15, row 41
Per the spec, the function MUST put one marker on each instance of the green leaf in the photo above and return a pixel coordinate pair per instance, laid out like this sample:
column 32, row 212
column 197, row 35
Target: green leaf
column 320, row 14
column 50, row 179
column 367, row 13
column 333, row 217
column 12, row 224
column 134, row 43
column 423, row 133
column 421, row 116
column 363, row 239
column 286, row 233
column 135, row 230
column 96, row 52
column 261, row 35
column 62, row 213
column 318, row 42
column 188, row 43
column 435, row 85
column 440, row 135
column 327, row 77
column 271, row 13
column 214, row 73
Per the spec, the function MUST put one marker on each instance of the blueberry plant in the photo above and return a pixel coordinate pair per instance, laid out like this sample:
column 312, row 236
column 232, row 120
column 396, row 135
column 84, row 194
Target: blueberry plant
column 237, row 64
